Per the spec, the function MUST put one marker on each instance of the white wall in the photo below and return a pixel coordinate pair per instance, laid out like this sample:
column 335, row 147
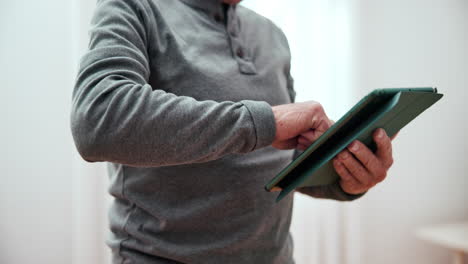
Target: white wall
column 414, row 43
column 35, row 156
column 396, row 43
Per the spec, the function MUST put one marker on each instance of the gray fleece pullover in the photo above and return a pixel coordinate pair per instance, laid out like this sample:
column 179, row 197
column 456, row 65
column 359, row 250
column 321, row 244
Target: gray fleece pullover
column 176, row 95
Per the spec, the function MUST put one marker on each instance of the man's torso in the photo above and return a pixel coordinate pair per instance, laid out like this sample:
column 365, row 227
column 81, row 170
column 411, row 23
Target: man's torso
column 218, row 211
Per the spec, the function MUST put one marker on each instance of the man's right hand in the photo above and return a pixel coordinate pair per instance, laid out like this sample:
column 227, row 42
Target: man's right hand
column 299, row 124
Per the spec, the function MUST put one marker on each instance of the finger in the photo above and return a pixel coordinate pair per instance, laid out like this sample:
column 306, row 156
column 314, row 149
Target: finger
column 347, row 181
column 384, row 147
column 310, row 135
column 344, row 174
column 367, row 158
column 276, row 189
column 318, row 117
column 303, row 141
column 302, row 147
column 286, row 144
column 355, row 168
column 314, row 134
column 323, row 126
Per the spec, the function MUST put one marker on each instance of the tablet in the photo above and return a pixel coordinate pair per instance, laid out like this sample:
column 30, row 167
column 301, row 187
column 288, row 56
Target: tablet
column 390, row 109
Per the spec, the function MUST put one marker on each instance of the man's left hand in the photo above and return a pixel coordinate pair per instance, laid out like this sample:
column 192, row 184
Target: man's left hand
column 359, row 168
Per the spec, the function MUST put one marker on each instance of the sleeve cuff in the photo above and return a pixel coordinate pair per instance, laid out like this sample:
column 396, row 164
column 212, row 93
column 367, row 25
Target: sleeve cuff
column 264, row 122
column 331, row 191
column 339, row 193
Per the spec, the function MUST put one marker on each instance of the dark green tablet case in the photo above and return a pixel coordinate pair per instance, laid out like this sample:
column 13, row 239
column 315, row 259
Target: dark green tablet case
column 390, row 109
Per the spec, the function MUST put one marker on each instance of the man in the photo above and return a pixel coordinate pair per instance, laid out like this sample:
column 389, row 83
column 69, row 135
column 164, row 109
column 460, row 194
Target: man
column 190, row 102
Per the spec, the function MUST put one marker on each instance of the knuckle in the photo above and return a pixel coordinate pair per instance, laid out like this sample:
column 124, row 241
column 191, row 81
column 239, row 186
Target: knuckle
column 370, row 182
column 318, row 108
column 359, row 170
column 349, row 184
column 389, row 148
column 339, row 169
column 358, row 174
column 367, row 183
column 381, row 145
column 343, row 174
column 383, row 142
column 389, row 162
column 381, row 176
column 367, row 162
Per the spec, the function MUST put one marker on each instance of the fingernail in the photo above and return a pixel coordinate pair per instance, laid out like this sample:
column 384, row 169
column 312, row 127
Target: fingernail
column 344, row 155
column 354, row 146
column 380, row 133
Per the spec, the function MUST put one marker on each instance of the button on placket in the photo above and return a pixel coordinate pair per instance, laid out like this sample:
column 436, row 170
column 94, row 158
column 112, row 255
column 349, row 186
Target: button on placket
column 239, row 49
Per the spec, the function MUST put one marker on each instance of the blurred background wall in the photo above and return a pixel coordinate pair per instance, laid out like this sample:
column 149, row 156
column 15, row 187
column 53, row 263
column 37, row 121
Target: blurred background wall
column 36, row 73
column 414, row 43
column 53, row 205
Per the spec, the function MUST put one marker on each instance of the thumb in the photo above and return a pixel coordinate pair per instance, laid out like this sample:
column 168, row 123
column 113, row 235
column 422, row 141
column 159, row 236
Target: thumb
column 314, row 134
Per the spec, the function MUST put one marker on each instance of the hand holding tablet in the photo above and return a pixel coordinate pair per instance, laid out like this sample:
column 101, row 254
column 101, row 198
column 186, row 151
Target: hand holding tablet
column 390, row 109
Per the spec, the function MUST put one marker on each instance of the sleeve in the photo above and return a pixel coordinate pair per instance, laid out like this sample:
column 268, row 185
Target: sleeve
column 332, row 191
column 291, row 90
column 117, row 116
